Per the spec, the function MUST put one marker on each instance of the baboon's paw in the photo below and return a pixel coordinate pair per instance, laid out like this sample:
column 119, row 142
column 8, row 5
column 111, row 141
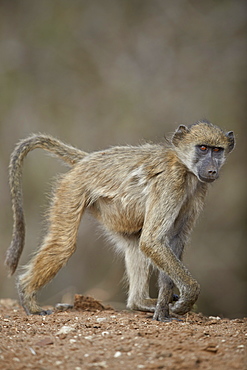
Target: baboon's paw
column 41, row 312
column 166, row 319
column 146, row 305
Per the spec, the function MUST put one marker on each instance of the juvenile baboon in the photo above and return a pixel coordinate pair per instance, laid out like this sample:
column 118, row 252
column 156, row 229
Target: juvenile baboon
column 148, row 199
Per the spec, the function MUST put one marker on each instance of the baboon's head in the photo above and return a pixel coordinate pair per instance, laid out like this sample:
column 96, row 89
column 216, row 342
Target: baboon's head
column 203, row 147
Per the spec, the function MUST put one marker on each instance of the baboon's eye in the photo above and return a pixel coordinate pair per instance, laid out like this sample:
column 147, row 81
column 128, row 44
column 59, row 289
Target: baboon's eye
column 216, row 149
column 203, row 148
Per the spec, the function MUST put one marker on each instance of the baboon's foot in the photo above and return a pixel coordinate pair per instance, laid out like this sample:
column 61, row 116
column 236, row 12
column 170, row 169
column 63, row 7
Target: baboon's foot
column 162, row 313
column 147, row 304
column 162, row 309
column 166, row 318
column 43, row 312
column 36, row 310
column 28, row 302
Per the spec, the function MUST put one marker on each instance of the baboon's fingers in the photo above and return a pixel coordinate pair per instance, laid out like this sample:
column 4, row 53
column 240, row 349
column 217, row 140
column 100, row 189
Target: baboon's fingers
column 44, row 312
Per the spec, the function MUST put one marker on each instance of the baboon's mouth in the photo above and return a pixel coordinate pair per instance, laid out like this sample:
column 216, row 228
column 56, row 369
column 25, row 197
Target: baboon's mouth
column 207, row 179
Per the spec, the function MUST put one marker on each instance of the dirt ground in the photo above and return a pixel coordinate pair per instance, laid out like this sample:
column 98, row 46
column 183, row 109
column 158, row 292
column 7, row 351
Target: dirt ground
column 98, row 338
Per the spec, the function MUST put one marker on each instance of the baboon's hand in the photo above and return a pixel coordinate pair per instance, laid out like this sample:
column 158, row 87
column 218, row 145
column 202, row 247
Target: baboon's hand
column 43, row 312
column 161, row 315
column 162, row 310
column 186, row 301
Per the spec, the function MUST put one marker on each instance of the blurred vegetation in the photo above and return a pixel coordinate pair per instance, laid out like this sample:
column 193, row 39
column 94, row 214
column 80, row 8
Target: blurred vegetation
column 100, row 73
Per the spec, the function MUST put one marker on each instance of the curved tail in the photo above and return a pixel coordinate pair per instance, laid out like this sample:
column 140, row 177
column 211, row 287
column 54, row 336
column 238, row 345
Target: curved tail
column 67, row 153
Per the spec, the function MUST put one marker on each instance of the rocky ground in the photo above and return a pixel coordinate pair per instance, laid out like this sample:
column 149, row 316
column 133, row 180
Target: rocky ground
column 98, row 338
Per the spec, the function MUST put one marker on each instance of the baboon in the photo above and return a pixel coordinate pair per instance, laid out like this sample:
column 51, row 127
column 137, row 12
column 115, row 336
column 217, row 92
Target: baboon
column 147, row 198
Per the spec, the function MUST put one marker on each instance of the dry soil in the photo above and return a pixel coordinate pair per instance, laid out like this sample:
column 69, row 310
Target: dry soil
column 98, row 338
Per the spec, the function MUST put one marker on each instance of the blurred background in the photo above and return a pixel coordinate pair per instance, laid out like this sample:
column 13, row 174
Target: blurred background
column 114, row 72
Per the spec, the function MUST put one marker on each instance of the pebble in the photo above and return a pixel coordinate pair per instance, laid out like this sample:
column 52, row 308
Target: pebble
column 214, row 318
column 89, row 337
column 65, row 330
column 99, row 364
column 100, row 319
column 105, row 333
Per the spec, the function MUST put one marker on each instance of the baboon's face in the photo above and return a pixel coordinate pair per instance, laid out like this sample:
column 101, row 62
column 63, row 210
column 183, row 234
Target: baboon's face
column 208, row 161
column 203, row 147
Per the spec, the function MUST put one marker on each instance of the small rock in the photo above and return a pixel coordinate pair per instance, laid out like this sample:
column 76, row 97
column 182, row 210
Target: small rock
column 63, row 306
column 44, row 342
column 32, row 351
column 100, row 319
column 65, row 330
column 98, row 364
column 214, row 318
column 211, row 348
column 89, row 337
column 87, row 303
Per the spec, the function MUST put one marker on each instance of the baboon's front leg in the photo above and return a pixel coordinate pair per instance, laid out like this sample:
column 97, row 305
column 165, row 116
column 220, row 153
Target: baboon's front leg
column 166, row 285
column 188, row 287
column 58, row 245
column 163, row 236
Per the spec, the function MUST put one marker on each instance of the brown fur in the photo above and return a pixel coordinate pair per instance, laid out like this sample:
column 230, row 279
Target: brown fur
column 148, row 199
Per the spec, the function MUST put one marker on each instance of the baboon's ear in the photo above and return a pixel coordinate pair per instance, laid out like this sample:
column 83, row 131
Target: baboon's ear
column 179, row 134
column 231, row 140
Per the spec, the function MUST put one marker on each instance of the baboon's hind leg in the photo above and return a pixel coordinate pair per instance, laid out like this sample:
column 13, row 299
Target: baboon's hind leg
column 165, row 297
column 138, row 273
column 58, row 245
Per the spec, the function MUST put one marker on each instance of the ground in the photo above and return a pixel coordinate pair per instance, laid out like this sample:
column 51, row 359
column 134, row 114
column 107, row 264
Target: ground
column 98, row 338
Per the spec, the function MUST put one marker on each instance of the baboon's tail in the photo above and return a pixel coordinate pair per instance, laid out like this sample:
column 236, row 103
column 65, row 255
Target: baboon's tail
column 65, row 152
